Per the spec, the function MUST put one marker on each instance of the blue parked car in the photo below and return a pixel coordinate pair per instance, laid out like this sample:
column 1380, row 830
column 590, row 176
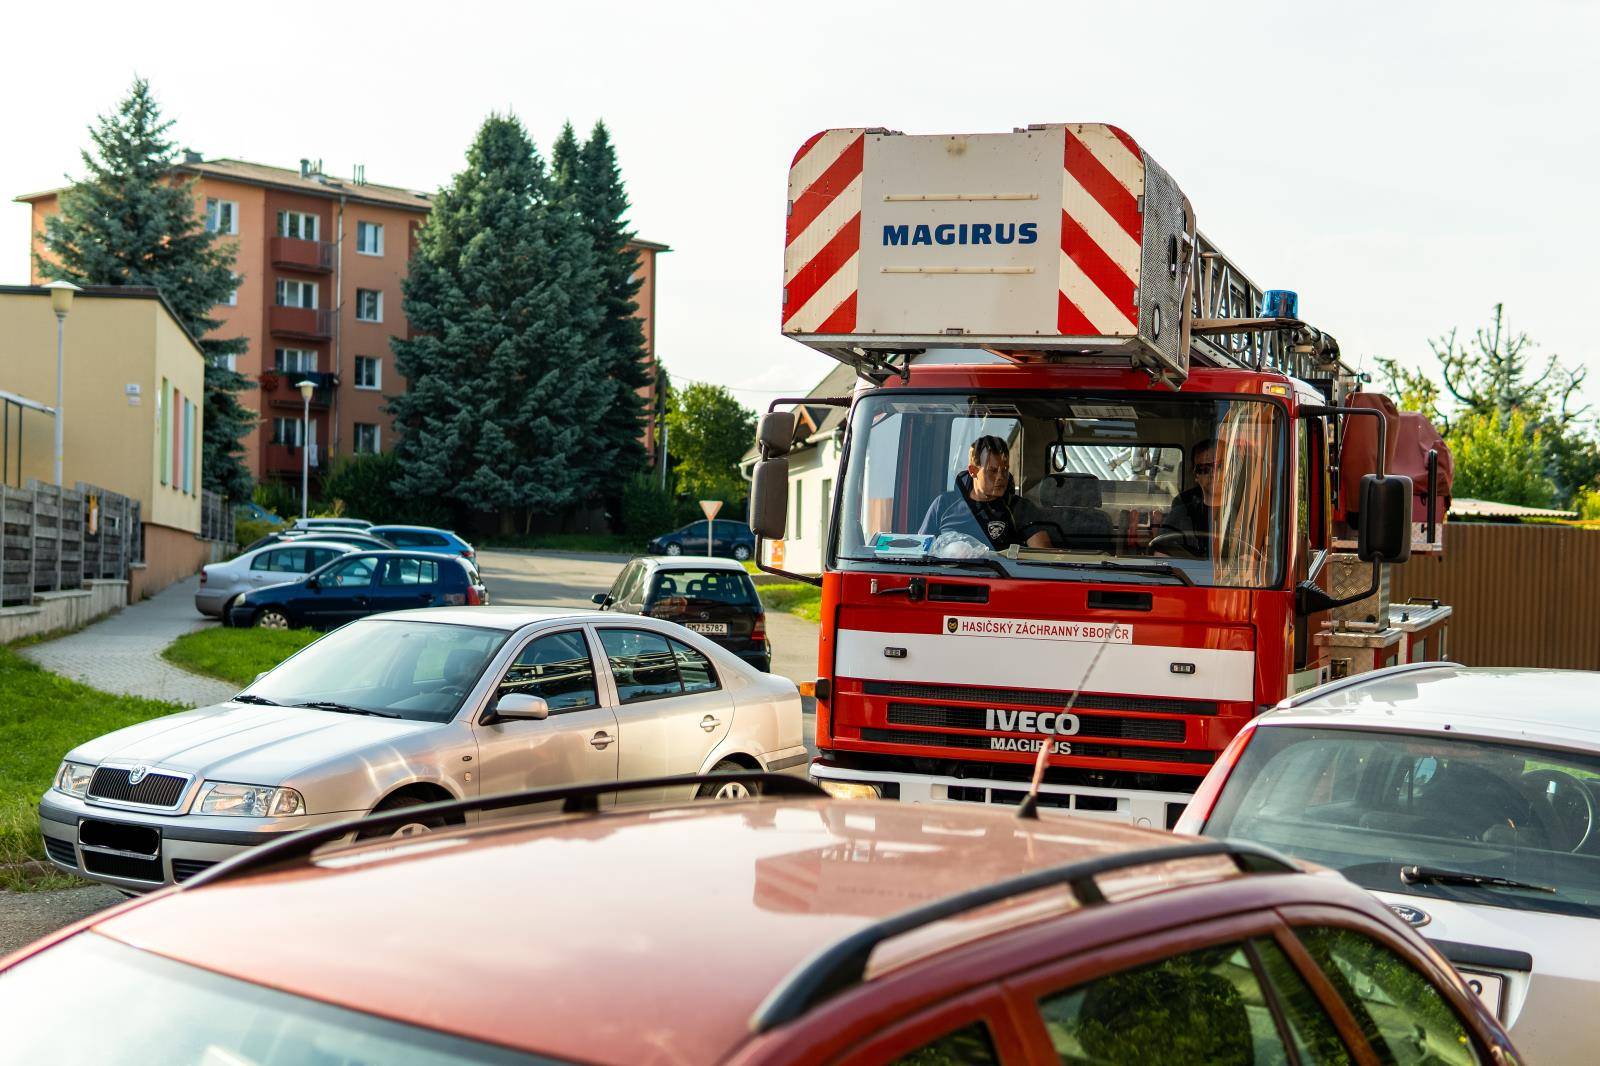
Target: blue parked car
column 733, row 540
column 426, row 539
column 354, row 586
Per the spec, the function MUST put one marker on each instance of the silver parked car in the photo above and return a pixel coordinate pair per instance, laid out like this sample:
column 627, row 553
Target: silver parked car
column 1468, row 800
column 222, row 583
column 403, row 709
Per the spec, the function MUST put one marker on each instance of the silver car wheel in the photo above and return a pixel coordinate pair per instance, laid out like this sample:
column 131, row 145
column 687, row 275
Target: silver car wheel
column 674, row 549
column 411, row 829
column 273, row 619
column 741, row 553
column 732, row 790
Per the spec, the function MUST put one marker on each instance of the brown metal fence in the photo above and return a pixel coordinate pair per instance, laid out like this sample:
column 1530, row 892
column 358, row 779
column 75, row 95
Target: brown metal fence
column 1523, row 595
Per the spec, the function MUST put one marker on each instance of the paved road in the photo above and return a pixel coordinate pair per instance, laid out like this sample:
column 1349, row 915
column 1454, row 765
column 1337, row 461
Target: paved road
column 122, row 653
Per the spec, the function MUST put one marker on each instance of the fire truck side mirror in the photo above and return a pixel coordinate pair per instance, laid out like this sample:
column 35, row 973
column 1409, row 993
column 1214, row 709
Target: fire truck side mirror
column 769, row 497
column 776, row 435
column 1384, row 533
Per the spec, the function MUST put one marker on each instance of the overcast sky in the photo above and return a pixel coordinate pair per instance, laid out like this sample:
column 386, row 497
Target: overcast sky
column 1402, row 165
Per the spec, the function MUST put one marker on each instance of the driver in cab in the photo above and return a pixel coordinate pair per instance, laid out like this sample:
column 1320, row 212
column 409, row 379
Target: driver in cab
column 984, row 504
column 1188, row 522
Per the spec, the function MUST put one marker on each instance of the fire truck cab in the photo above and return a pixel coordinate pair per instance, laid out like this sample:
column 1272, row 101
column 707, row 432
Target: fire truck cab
column 1098, row 490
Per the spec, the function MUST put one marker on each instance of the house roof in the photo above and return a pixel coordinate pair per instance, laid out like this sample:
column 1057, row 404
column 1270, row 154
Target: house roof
column 115, row 292
column 816, row 421
column 1462, row 507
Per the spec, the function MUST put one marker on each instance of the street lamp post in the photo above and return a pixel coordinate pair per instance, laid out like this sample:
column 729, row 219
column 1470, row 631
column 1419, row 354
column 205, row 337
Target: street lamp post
column 306, row 389
column 60, row 302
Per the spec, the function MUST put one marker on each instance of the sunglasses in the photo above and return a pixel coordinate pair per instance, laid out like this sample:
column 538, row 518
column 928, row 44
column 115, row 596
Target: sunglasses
column 1204, row 468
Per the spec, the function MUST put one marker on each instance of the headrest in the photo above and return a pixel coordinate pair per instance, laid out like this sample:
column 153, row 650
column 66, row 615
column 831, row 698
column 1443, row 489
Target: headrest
column 1068, row 490
column 460, row 663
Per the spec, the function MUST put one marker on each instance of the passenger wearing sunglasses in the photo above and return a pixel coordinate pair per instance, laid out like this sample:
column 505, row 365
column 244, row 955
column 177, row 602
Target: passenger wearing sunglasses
column 1193, row 510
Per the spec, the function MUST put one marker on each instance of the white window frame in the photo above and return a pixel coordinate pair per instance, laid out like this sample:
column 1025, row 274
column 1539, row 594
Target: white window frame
column 227, row 362
column 377, row 438
column 377, row 295
column 216, row 210
column 300, row 287
column 306, row 221
column 377, row 372
column 295, row 427
column 233, row 295
column 282, row 357
column 375, row 228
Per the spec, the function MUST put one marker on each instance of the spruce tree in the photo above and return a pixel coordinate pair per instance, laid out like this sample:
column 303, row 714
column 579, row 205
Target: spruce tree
column 504, row 401
column 130, row 222
column 601, row 202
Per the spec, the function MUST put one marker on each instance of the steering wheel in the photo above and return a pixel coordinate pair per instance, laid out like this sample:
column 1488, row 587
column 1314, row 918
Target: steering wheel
column 1567, row 802
column 1163, row 542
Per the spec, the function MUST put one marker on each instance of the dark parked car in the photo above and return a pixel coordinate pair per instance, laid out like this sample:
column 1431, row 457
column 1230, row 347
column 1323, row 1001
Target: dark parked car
column 425, row 539
column 733, row 540
column 358, row 585
column 353, row 537
column 713, row 597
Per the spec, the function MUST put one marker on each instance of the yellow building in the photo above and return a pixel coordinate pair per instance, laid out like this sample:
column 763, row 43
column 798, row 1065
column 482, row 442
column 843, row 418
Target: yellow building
column 133, row 398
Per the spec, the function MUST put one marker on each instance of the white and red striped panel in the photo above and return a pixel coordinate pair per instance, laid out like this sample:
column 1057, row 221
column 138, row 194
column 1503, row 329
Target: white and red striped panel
column 1101, row 232
column 821, row 261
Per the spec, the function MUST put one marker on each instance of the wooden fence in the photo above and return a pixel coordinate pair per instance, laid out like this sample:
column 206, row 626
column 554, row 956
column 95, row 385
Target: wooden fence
column 57, row 538
column 1524, row 595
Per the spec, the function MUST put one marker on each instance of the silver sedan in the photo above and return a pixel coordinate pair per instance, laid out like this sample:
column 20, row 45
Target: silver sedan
column 222, row 583
column 403, row 709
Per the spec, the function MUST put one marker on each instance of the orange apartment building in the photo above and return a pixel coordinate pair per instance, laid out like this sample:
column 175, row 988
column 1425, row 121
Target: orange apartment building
column 320, row 261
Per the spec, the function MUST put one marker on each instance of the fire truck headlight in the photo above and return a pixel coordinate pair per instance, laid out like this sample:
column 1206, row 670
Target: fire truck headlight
column 850, row 790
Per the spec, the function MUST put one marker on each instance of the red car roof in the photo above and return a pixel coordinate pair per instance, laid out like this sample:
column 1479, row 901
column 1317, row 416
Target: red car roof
column 649, row 936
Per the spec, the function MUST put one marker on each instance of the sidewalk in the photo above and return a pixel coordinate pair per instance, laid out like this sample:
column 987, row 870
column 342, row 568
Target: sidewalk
column 122, row 653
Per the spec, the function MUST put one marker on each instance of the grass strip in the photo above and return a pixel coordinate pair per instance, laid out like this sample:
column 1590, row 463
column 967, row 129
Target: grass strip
column 42, row 717
column 236, row 655
column 803, row 601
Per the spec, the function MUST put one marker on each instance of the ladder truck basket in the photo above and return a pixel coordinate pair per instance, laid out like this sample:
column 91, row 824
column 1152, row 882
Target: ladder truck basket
column 1055, row 243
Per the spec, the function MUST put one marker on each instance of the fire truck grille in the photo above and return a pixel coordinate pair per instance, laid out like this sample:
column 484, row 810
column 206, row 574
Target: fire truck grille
column 1088, row 751
column 1023, row 697
column 1170, row 730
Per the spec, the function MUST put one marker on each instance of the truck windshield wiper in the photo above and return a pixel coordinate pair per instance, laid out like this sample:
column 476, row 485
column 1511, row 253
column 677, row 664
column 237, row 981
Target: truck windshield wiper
column 345, row 708
column 245, row 697
column 977, row 562
column 1154, row 569
column 1419, row 875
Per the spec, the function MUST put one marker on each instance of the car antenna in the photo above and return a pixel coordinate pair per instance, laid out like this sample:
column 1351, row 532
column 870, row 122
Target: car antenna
column 1029, row 807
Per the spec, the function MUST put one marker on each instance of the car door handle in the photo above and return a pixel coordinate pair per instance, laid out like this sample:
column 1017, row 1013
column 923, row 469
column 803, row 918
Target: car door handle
column 427, row 597
column 361, row 601
column 601, row 740
column 708, row 723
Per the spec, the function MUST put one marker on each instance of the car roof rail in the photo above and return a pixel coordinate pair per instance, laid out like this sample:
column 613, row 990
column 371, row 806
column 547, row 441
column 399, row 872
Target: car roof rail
column 1356, row 680
column 843, row 964
column 576, row 799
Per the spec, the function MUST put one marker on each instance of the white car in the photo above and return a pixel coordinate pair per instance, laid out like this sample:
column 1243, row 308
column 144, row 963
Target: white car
column 288, row 560
column 408, row 708
column 1466, row 799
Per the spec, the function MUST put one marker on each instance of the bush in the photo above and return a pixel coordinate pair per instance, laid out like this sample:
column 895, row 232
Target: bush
column 646, row 510
column 248, row 532
column 278, row 497
column 363, row 486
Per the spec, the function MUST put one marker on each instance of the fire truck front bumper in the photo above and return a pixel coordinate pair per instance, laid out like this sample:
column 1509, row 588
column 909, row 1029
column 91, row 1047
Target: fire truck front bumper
column 1158, row 810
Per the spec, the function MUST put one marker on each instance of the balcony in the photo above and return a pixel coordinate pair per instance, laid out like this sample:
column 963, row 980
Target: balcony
column 280, row 388
column 292, row 253
column 286, row 458
column 309, row 322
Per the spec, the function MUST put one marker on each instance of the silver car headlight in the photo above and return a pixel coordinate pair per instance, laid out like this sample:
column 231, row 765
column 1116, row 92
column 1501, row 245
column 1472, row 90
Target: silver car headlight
column 250, row 801
column 73, row 777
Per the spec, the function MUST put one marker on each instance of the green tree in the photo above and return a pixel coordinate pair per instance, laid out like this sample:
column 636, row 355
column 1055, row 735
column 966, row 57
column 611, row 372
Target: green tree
column 130, row 221
column 1501, row 458
column 709, row 433
column 1412, row 390
column 504, row 397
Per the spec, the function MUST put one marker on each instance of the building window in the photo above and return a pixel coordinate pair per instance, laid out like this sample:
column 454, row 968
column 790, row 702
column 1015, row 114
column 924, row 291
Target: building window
column 369, row 305
column 369, row 238
column 188, row 445
column 288, row 431
column 369, row 372
column 226, row 362
column 233, row 294
column 367, row 439
column 298, row 224
column 799, row 517
column 297, row 293
column 295, row 360
column 163, row 405
column 222, row 216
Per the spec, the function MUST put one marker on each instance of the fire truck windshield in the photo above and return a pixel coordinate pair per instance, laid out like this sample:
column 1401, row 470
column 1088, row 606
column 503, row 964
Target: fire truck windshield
column 1164, row 488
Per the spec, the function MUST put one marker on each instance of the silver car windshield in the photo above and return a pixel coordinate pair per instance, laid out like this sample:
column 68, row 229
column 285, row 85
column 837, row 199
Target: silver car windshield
column 150, row 1009
column 1067, row 486
column 421, row 671
column 1495, row 824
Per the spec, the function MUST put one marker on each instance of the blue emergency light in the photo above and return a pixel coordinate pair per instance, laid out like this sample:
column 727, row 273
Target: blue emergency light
column 1280, row 303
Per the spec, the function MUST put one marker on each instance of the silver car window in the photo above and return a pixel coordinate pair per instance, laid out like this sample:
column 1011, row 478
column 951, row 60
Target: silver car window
column 556, row 667
column 641, row 665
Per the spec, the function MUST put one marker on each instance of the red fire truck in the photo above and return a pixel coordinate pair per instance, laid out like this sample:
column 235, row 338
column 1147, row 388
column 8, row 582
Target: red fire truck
column 1098, row 490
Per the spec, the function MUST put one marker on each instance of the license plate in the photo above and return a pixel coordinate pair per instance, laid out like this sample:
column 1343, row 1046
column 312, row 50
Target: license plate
column 1488, row 987
column 710, row 629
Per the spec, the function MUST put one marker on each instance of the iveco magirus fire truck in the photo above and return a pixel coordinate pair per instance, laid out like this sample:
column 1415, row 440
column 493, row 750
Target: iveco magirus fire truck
column 1098, row 490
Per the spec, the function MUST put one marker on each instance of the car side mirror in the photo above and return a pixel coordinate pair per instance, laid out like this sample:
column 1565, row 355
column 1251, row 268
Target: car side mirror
column 313, row 583
column 602, row 600
column 519, row 706
column 259, row 676
column 1383, row 534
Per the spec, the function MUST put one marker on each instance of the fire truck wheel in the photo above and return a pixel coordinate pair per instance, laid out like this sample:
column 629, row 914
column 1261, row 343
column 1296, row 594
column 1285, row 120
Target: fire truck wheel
column 728, row 789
